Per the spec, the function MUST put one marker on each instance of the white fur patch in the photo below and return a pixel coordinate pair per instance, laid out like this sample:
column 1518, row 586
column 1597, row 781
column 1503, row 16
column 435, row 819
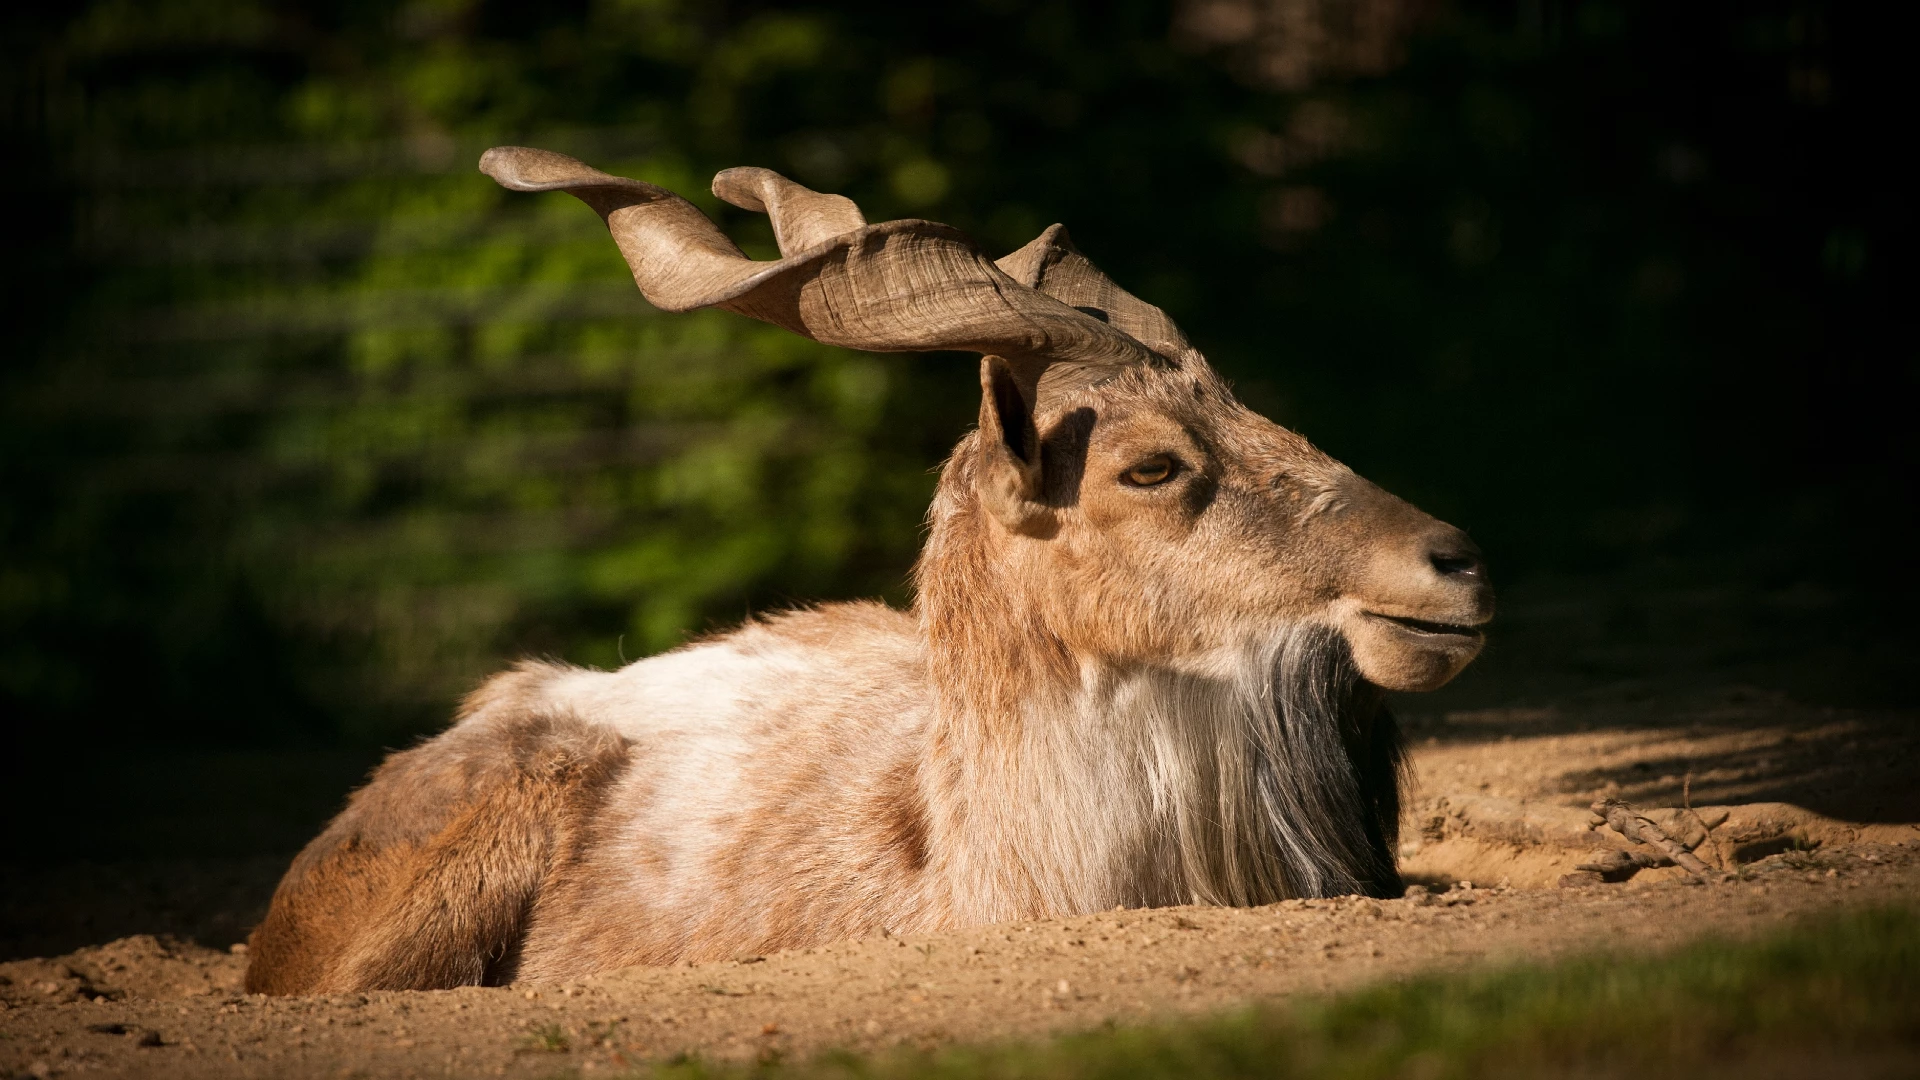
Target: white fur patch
column 683, row 692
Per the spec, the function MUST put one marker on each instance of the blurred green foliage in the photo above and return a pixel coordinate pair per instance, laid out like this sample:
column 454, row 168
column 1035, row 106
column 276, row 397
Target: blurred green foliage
column 307, row 425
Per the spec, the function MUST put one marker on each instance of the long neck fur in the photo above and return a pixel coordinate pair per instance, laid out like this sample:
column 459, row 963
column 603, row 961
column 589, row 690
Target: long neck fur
column 1061, row 782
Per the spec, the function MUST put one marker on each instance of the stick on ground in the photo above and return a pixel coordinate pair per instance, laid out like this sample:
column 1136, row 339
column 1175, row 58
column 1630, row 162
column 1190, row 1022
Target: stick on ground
column 1630, row 824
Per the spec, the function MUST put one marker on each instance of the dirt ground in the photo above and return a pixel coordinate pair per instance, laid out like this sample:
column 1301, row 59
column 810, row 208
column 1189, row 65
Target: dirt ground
column 1820, row 812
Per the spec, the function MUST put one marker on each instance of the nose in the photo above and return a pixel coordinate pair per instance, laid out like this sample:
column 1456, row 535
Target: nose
column 1457, row 557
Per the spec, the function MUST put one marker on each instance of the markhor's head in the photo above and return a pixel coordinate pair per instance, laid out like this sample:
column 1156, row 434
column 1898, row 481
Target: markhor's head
column 1153, row 519
column 1132, row 510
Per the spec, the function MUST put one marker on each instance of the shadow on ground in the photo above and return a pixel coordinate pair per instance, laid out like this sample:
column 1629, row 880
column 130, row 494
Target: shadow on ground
column 1794, row 695
column 183, row 844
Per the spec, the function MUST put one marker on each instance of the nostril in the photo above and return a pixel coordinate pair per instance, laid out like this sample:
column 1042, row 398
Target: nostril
column 1455, row 563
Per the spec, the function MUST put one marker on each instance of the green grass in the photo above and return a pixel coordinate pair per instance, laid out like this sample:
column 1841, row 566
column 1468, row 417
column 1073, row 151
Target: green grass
column 1840, row 993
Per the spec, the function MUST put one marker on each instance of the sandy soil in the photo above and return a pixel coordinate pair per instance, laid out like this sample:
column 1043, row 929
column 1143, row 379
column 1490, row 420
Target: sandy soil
column 1820, row 814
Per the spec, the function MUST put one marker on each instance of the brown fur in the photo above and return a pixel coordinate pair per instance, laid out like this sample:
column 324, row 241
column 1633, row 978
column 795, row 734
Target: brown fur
column 427, row 877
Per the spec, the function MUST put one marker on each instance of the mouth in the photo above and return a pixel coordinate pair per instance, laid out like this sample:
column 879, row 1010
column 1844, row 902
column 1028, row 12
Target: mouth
column 1430, row 629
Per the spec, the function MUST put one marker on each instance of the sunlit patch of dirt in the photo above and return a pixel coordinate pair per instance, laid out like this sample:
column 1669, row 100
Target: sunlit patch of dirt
column 1503, row 794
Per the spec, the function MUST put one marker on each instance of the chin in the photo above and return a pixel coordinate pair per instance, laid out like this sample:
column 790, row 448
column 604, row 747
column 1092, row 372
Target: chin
column 1411, row 654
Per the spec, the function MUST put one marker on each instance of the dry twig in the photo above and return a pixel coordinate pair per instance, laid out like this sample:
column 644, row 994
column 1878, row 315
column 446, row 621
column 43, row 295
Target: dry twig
column 1639, row 829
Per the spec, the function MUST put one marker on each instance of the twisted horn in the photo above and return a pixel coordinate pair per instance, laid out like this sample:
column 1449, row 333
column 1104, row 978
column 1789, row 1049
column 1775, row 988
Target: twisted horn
column 899, row 286
column 802, row 217
column 1051, row 264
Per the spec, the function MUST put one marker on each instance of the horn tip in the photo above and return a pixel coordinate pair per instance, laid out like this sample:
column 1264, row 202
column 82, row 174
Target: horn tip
column 525, row 168
column 742, row 185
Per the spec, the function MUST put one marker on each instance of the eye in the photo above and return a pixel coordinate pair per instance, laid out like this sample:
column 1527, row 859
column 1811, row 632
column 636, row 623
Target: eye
column 1157, row 469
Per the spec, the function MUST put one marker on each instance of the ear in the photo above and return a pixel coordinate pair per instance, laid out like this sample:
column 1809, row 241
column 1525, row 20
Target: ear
column 1008, row 477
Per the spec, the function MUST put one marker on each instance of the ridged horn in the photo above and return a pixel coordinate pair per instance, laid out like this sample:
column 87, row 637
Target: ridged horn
column 802, row 217
column 1051, row 264
column 899, row 286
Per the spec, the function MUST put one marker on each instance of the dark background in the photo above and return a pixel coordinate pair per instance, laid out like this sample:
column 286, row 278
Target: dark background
column 306, row 426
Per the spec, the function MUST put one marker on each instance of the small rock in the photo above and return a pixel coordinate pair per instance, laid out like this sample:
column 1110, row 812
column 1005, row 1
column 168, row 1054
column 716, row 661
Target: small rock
column 1581, row 879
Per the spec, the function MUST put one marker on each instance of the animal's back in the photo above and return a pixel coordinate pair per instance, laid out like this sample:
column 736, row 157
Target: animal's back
column 564, row 801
